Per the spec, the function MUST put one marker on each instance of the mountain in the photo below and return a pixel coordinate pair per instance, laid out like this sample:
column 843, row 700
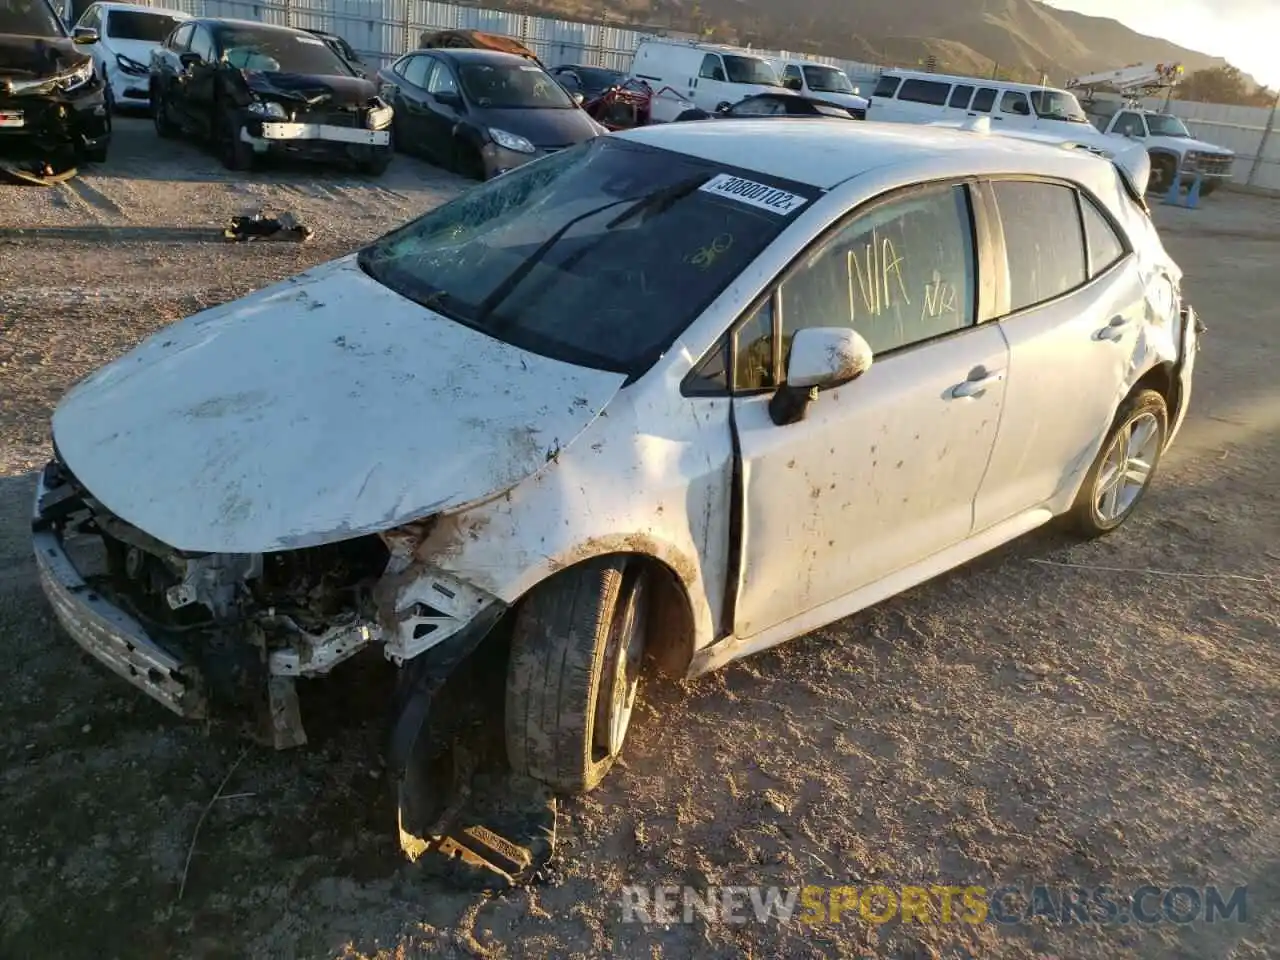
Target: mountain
column 1019, row 38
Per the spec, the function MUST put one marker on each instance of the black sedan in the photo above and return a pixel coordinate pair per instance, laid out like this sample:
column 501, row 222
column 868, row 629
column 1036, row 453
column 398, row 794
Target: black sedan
column 778, row 105
column 480, row 112
column 251, row 89
column 588, row 81
column 51, row 100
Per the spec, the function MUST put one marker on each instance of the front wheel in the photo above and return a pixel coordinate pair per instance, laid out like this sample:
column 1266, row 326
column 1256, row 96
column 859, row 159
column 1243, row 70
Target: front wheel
column 1124, row 467
column 1163, row 172
column 234, row 152
column 160, row 115
column 574, row 672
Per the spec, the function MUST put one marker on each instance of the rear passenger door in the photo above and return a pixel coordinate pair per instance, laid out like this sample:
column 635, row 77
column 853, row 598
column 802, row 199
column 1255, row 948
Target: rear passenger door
column 1072, row 305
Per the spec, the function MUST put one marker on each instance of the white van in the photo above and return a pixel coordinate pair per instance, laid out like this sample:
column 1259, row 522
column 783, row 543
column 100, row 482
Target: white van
column 905, row 96
column 709, row 75
column 821, row 81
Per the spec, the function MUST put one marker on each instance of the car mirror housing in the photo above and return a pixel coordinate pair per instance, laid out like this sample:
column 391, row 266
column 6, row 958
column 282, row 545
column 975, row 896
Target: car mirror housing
column 822, row 358
column 84, row 35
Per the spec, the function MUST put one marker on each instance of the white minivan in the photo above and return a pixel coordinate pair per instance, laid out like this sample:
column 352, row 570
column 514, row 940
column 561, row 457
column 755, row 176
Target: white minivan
column 822, row 81
column 906, row 96
column 711, row 76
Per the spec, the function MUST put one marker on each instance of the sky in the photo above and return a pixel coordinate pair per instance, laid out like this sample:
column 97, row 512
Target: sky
column 1246, row 32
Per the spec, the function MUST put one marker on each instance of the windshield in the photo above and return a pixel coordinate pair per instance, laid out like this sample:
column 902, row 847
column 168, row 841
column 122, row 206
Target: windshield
column 750, row 70
column 507, row 85
column 1164, row 125
column 136, row 25
column 598, row 78
column 1057, row 105
column 599, row 255
column 827, row 79
column 29, row 18
column 275, row 51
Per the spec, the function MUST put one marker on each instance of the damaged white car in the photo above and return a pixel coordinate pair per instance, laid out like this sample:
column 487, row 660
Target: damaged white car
column 679, row 394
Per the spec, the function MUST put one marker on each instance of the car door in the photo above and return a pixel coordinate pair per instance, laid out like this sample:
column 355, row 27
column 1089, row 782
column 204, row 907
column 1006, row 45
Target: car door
column 882, row 472
column 1074, row 311
column 410, row 103
column 707, row 90
column 172, row 74
column 442, row 111
column 1015, row 110
column 200, row 79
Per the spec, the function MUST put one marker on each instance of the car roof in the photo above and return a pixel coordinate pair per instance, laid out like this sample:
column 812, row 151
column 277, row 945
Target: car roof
column 139, row 8
column 823, row 153
column 475, row 55
column 975, row 81
column 222, row 22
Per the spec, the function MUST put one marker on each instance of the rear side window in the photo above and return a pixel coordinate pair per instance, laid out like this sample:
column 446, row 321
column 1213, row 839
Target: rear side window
column 1105, row 245
column 925, row 91
column 960, row 96
column 1043, row 240
column 886, row 87
column 984, row 100
column 1015, row 102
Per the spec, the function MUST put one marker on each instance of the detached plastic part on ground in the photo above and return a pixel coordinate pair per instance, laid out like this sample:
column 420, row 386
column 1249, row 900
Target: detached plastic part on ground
column 259, row 226
column 462, row 815
column 40, row 173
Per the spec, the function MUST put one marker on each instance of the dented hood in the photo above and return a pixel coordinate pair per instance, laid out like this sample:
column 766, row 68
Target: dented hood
column 318, row 409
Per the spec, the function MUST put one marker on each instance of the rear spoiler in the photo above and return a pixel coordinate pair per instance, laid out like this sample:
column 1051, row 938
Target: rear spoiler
column 1131, row 160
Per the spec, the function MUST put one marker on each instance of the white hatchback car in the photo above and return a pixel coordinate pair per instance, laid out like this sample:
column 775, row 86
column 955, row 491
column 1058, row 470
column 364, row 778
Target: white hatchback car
column 127, row 33
column 689, row 391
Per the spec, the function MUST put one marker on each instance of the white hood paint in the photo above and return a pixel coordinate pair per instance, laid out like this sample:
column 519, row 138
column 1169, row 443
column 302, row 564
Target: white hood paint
column 842, row 99
column 318, row 409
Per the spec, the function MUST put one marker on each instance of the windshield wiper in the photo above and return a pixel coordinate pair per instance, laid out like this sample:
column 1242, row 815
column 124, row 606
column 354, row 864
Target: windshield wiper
column 654, row 202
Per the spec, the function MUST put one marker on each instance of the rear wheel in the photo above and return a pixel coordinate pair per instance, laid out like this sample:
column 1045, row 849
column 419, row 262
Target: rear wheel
column 1124, row 467
column 574, row 672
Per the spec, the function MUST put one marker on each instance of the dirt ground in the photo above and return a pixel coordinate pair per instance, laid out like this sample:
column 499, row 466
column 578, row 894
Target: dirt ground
column 1011, row 723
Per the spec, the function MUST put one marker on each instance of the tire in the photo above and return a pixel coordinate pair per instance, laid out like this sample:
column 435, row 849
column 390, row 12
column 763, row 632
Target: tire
column 375, row 165
column 110, row 100
column 234, row 152
column 574, row 671
column 468, row 162
column 160, row 115
column 1163, row 170
column 1207, row 187
column 1106, row 500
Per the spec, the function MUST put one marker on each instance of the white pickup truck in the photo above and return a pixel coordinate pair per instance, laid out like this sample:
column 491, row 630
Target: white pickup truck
column 1174, row 151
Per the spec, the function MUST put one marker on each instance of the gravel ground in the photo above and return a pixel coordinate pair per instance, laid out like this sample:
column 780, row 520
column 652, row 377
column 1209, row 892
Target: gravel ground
column 1010, row 723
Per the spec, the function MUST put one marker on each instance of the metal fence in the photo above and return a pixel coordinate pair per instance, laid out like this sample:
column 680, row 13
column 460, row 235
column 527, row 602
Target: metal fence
column 381, row 30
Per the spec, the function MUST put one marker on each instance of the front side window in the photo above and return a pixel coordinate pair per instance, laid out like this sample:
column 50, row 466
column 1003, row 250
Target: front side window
column 202, row 44
column 139, row 25
column 1015, row 102
column 925, row 91
column 182, row 36
column 1164, row 125
column 757, row 107
column 792, row 76
column 750, row 70
column 1129, row 124
column 415, row 69
column 512, row 86
column 827, row 79
column 886, row 87
column 899, row 274
column 598, row 255
column 711, row 68
column 1042, row 238
column 753, row 351
column 280, row 51
column 1058, row 105
column 440, row 79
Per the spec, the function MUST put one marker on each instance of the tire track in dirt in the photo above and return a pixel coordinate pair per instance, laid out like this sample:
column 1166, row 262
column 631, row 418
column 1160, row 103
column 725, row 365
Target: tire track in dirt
column 95, row 199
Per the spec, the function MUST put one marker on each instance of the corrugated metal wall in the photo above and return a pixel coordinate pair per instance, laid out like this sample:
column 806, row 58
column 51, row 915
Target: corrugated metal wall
column 381, row 30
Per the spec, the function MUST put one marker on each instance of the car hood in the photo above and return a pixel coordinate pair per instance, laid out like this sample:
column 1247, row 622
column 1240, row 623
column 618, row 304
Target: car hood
column 541, row 127
column 319, row 409
column 1200, row 146
column 34, row 58
column 311, row 90
column 139, row 51
column 842, row 99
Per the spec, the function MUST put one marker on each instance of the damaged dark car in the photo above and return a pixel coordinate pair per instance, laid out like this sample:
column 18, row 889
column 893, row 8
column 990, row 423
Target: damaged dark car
column 51, row 101
column 251, row 90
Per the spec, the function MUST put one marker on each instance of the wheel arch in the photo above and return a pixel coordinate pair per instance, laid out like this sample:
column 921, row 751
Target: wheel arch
column 1163, row 379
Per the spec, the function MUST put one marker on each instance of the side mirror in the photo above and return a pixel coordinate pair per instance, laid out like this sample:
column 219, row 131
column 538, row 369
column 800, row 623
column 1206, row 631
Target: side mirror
column 189, row 60
column 579, row 99
column 84, row 35
column 821, row 358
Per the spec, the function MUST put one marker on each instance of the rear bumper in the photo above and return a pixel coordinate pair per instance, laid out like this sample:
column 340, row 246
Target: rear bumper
column 109, row 634
column 1188, row 349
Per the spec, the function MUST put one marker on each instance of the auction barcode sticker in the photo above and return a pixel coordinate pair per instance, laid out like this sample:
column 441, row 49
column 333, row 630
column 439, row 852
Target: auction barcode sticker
column 756, row 194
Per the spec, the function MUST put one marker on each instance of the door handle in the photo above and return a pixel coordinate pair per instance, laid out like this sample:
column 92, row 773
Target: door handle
column 1114, row 330
column 976, row 385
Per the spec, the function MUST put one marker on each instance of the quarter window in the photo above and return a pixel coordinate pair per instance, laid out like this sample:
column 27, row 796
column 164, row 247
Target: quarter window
column 440, row 80
column 202, row 45
column 1105, row 245
column 899, row 274
column 960, row 96
column 984, row 100
column 1043, row 240
column 925, row 91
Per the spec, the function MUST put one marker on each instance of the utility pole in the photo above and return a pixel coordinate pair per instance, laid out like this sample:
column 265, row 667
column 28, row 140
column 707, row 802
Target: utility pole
column 1262, row 146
